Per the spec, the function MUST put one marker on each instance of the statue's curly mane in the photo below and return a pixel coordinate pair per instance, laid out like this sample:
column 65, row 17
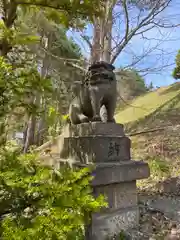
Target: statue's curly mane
column 99, row 72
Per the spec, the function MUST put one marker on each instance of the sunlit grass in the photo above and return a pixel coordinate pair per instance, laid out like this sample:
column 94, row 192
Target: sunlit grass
column 145, row 105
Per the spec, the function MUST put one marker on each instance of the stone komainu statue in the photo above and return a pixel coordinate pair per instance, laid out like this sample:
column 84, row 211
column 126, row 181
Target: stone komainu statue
column 95, row 97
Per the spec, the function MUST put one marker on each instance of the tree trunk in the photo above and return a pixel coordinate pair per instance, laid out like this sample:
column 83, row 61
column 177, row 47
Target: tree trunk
column 107, row 32
column 42, row 126
column 9, row 15
column 29, row 138
column 101, row 45
column 96, row 47
column 30, row 133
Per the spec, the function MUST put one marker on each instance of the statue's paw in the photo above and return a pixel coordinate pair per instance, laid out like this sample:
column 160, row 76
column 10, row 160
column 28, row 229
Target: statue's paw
column 96, row 119
column 112, row 120
column 83, row 118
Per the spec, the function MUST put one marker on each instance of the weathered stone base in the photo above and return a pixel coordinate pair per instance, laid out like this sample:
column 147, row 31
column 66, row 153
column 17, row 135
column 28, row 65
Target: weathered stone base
column 109, row 144
column 82, row 130
column 96, row 149
column 119, row 195
column 111, row 223
column 117, row 181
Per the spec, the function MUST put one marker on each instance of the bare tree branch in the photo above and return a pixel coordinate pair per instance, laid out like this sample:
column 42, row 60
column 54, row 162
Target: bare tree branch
column 145, row 30
column 154, row 70
column 148, row 20
column 166, row 26
column 84, row 37
column 67, row 61
column 124, row 4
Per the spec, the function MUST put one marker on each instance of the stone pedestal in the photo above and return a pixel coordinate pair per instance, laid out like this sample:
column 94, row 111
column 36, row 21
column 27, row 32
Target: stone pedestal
column 115, row 174
column 118, row 182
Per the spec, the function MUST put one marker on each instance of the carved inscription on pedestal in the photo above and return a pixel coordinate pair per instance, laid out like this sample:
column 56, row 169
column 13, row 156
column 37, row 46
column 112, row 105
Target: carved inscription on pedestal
column 113, row 149
column 118, row 149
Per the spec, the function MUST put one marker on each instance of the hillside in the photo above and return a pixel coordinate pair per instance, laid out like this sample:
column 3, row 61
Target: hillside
column 154, row 109
column 159, row 195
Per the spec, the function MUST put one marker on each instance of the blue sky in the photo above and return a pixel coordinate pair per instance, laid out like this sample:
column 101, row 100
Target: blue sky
column 161, row 43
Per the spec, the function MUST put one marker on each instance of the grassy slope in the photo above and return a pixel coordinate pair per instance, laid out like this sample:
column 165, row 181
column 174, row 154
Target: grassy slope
column 161, row 149
column 155, row 109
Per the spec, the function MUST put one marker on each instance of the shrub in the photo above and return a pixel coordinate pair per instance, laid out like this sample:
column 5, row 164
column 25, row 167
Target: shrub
column 38, row 202
column 159, row 167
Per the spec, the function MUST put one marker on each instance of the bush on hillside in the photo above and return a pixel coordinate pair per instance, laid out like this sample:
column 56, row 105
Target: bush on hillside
column 38, row 202
column 130, row 84
column 176, row 71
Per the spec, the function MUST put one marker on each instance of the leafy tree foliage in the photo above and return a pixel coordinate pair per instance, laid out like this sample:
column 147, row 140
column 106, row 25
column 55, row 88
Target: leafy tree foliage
column 53, row 54
column 37, row 201
column 150, row 87
column 35, row 39
column 17, row 87
column 70, row 13
column 43, row 203
column 176, row 72
column 140, row 86
column 65, row 11
column 130, row 84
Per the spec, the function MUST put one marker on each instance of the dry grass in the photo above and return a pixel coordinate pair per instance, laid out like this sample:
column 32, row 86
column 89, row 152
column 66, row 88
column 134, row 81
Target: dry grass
column 154, row 109
column 161, row 149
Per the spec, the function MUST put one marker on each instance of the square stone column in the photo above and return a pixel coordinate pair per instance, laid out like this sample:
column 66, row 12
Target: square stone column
column 117, row 181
